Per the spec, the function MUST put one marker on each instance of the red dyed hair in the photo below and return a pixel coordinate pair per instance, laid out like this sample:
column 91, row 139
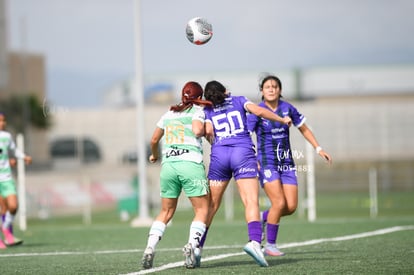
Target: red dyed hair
column 191, row 94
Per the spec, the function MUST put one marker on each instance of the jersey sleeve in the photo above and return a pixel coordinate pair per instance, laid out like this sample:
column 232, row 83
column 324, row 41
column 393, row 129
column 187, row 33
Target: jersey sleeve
column 16, row 152
column 245, row 102
column 160, row 123
column 199, row 114
column 297, row 118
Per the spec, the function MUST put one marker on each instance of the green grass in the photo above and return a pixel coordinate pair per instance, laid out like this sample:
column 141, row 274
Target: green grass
column 357, row 204
column 108, row 246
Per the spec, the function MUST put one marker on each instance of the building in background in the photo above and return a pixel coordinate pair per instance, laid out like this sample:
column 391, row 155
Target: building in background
column 23, row 73
column 123, row 94
column 27, row 74
column 298, row 84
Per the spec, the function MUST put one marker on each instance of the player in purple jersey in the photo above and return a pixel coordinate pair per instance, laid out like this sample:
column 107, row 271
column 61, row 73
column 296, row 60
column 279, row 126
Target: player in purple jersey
column 232, row 155
column 277, row 172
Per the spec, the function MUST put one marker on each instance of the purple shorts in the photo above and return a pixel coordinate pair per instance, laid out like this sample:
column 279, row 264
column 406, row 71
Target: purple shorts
column 285, row 173
column 228, row 161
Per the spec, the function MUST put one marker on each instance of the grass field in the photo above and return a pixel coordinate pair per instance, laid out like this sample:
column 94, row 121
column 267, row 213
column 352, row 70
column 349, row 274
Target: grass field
column 339, row 242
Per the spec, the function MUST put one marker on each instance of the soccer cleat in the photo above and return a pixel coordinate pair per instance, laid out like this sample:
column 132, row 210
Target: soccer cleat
column 253, row 249
column 272, row 250
column 148, row 258
column 197, row 256
column 190, row 261
column 9, row 239
column 16, row 241
column 2, row 245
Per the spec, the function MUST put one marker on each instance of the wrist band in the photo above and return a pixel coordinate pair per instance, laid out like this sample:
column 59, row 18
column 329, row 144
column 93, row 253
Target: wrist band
column 318, row 149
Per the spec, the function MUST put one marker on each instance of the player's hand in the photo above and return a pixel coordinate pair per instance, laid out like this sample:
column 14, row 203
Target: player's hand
column 28, row 159
column 326, row 156
column 152, row 159
column 287, row 120
column 13, row 162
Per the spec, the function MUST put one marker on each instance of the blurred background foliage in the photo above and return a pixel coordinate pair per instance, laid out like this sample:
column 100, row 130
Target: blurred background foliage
column 23, row 111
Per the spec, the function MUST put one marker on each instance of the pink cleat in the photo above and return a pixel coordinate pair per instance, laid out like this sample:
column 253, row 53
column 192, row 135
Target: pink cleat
column 9, row 239
column 272, row 250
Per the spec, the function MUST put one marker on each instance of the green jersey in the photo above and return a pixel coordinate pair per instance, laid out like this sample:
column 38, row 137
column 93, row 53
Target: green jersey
column 7, row 145
column 179, row 141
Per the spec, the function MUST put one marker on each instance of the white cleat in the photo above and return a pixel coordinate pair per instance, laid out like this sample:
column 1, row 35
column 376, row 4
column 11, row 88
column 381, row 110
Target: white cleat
column 253, row 249
column 190, row 261
column 148, row 258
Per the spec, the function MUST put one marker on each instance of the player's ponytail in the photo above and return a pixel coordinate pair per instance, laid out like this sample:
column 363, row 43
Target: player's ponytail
column 191, row 94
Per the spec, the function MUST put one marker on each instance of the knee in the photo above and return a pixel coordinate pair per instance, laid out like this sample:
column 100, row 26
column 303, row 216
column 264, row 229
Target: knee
column 279, row 205
column 12, row 210
column 289, row 210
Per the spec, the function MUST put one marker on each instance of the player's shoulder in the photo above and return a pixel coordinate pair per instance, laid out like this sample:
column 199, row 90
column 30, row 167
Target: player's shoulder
column 239, row 97
column 286, row 104
column 197, row 108
column 5, row 134
column 167, row 113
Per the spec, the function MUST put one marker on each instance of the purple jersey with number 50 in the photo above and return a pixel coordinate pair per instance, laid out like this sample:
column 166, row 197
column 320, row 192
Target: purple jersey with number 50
column 232, row 151
column 229, row 121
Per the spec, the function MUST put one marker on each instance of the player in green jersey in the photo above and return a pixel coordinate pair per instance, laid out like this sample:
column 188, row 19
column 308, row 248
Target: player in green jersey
column 7, row 185
column 181, row 129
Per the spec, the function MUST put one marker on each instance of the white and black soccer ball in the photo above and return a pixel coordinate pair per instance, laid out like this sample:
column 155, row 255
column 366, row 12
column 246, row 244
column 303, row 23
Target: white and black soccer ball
column 199, row 31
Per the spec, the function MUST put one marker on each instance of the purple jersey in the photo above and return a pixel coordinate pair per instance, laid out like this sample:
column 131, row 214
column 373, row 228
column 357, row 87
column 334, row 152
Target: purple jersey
column 229, row 121
column 232, row 151
column 273, row 143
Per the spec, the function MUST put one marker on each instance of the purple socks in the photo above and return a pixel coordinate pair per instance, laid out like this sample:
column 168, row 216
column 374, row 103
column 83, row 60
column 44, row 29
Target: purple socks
column 272, row 230
column 264, row 215
column 255, row 231
column 203, row 239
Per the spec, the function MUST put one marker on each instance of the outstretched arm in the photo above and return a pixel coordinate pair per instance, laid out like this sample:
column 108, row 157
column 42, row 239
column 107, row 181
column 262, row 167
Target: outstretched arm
column 262, row 112
column 310, row 137
column 18, row 154
column 28, row 159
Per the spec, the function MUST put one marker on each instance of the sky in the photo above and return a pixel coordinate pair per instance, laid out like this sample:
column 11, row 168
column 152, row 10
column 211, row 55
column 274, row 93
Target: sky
column 89, row 45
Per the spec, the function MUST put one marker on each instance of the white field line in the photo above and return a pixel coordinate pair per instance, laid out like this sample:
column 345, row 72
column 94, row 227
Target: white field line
column 217, row 257
column 305, row 243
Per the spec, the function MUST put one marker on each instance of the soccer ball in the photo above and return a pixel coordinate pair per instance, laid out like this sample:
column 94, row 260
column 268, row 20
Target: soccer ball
column 199, row 31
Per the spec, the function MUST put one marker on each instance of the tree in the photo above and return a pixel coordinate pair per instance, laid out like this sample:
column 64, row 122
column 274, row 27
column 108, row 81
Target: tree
column 24, row 110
